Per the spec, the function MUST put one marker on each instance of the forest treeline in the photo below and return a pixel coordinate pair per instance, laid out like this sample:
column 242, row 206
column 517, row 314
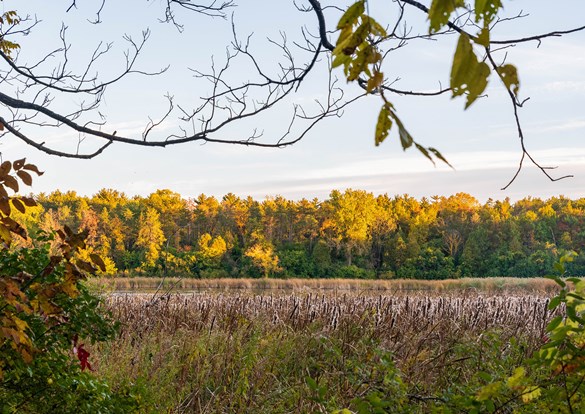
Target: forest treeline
column 351, row 234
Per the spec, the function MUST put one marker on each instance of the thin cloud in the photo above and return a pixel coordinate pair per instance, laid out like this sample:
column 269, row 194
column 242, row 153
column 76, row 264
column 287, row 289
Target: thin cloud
column 564, row 86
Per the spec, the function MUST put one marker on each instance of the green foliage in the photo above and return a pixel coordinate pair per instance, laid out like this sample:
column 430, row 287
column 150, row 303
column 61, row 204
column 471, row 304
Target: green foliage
column 45, row 313
column 469, row 76
column 321, row 257
column 440, row 12
column 355, row 48
column 53, row 379
column 552, row 378
column 295, row 263
column 351, row 227
column 358, row 50
column 353, row 272
column 429, row 264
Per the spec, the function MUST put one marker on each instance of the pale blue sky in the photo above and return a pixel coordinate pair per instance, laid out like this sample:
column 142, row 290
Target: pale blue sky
column 481, row 143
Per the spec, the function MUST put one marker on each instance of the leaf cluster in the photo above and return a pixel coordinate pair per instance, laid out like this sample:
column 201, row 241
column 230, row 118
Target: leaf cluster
column 357, row 51
column 8, row 18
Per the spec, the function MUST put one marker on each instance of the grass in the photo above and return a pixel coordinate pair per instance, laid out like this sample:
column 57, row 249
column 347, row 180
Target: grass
column 314, row 351
column 488, row 285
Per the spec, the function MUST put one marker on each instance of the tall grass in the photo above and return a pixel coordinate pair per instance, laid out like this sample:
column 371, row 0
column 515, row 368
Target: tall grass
column 311, row 351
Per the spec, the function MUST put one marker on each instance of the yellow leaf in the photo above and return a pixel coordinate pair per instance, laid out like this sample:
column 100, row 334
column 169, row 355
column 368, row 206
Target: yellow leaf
column 375, row 81
column 20, row 324
column 488, row 391
column 532, row 393
column 516, row 379
column 352, row 14
column 5, row 234
column 69, row 288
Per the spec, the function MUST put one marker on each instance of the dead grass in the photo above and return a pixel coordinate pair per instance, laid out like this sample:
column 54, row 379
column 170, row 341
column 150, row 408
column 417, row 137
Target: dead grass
column 224, row 347
column 504, row 285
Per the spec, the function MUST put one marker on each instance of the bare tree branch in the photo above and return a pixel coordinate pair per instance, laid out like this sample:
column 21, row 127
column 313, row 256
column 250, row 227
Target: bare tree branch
column 243, row 86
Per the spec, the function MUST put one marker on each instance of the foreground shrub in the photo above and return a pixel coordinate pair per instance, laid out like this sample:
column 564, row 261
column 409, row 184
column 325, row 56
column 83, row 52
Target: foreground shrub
column 47, row 316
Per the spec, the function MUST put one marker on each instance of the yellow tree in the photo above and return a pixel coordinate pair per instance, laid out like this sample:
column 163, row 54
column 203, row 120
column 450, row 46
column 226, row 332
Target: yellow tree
column 174, row 214
column 211, row 249
column 263, row 257
column 353, row 213
column 150, row 236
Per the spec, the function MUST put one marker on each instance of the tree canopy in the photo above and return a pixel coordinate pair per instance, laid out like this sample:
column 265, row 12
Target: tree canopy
column 349, row 234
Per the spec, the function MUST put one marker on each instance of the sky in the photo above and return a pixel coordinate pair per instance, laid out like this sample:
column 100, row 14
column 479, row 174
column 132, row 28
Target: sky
column 481, row 143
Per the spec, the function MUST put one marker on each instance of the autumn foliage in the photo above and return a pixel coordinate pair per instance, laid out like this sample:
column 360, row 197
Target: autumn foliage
column 44, row 311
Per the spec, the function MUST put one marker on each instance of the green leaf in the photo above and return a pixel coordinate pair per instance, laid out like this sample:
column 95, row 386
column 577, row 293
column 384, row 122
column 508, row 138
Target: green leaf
column 468, row 75
column 483, row 38
column 572, row 315
column 376, row 28
column 439, row 156
column 424, row 152
column 359, row 64
column 406, row 139
column 554, row 323
column 440, row 12
column 358, row 37
column 509, row 75
column 352, row 14
column 486, row 10
column 554, row 302
column 340, row 59
column 484, row 376
column 384, row 124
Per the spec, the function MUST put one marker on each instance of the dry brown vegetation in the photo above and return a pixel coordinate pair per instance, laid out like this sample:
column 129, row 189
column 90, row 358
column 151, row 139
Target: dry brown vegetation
column 240, row 351
column 388, row 315
column 486, row 285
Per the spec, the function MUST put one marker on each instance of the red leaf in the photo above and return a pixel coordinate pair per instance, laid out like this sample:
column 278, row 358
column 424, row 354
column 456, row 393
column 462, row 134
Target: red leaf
column 82, row 355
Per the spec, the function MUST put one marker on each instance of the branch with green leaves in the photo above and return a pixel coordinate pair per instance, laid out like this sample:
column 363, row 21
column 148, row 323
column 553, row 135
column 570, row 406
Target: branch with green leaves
column 359, row 51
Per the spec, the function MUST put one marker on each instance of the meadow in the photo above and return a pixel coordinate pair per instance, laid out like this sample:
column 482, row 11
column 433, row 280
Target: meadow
column 319, row 346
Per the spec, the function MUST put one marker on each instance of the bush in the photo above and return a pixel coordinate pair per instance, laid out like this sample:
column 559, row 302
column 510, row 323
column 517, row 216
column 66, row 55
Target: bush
column 295, row 263
column 352, row 272
column 431, row 263
column 45, row 367
column 47, row 315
